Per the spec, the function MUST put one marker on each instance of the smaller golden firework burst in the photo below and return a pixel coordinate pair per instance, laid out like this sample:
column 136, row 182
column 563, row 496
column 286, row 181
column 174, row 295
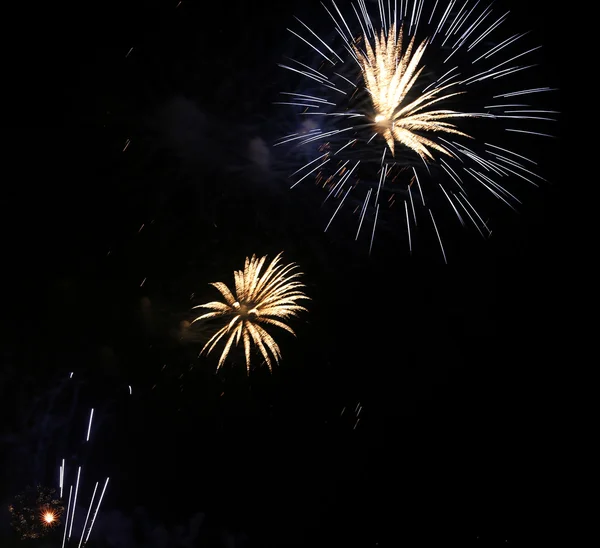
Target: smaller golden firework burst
column 49, row 517
column 35, row 512
column 267, row 297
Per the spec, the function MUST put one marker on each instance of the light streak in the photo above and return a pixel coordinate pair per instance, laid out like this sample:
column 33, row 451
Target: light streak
column 96, row 512
column 74, row 502
column 67, row 518
column 90, row 425
column 88, row 515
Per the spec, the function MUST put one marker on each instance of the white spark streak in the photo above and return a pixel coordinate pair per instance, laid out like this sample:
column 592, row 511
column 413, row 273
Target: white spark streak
column 74, row 501
column 96, row 512
column 67, row 518
column 90, row 425
column 88, row 515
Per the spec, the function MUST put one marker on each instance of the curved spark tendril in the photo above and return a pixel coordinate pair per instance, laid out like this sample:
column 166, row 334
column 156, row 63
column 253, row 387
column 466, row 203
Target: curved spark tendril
column 389, row 76
column 266, row 297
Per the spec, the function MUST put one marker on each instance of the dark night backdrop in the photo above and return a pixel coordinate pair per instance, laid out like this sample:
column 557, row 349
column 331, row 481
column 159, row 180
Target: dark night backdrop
column 450, row 363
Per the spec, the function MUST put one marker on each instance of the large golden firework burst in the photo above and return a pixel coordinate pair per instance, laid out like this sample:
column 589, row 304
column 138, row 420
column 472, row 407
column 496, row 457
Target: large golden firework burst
column 389, row 75
column 379, row 88
column 266, row 297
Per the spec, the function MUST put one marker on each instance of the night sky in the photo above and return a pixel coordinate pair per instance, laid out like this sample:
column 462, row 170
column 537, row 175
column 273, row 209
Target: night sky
column 137, row 180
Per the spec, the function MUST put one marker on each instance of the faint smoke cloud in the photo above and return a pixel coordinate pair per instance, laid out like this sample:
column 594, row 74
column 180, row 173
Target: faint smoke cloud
column 259, row 153
column 184, row 127
column 114, row 529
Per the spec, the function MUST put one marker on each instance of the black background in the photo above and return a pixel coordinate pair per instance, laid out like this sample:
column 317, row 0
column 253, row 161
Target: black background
column 454, row 364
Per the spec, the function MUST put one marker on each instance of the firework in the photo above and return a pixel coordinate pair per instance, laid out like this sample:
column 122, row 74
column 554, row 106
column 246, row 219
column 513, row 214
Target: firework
column 403, row 100
column 268, row 297
column 35, row 512
column 72, row 500
column 49, row 516
column 73, row 495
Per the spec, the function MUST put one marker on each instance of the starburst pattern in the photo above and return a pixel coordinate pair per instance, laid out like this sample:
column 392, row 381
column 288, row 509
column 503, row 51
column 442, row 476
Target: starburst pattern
column 35, row 511
column 389, row 76
column 268, row 297
column 420, row 105
column 49, row 517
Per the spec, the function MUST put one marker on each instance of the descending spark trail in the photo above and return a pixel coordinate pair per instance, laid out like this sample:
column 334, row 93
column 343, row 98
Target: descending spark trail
column 67, row 518
column 90, row 426
column 407, row 94
column 74, row 503
column 36, row 511
column 96, row 512
column 62, row 477
column 74, row 494
column 87, row 517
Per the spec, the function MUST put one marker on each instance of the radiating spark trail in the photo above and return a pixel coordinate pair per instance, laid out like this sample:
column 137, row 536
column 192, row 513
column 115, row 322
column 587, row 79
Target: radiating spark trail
column 462, row 222
column 338, row 208
column 308, row 98
column 374, row 226
column 309, row 163
column 412, row 205
column 309, row 173
column 530, row 132
column 523, row 92
column 362, row 213
column 439, row 237
column 346, row 145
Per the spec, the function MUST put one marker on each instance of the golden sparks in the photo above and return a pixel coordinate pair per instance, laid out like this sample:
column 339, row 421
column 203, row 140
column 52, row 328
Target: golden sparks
column 389, row 76
column 49, row 517
column 266, row 297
